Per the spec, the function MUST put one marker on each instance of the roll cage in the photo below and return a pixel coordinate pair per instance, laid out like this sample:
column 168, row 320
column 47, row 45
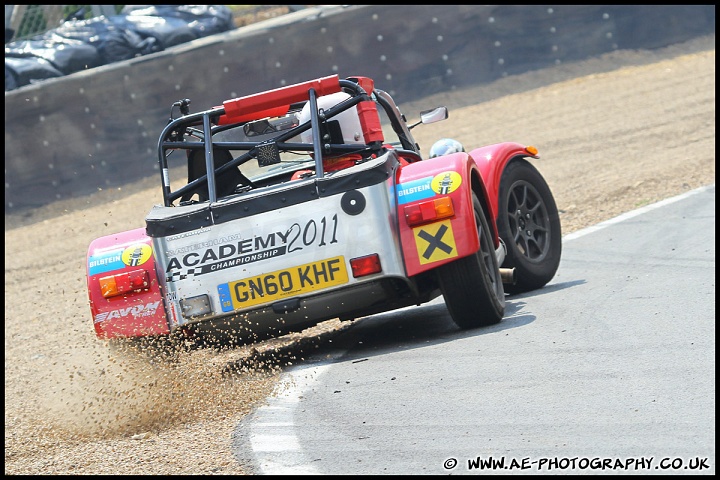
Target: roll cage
column 270, row 125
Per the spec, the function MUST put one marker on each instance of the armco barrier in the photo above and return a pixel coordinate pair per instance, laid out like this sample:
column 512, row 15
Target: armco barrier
column 68, row 137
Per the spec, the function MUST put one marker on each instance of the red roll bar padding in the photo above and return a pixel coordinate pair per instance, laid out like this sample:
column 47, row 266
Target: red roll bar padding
column 266, row 104
column 271, row 112
column 370, row 121
column 367, row 83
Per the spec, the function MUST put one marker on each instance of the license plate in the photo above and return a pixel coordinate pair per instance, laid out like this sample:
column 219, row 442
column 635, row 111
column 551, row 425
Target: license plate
column 285, row 283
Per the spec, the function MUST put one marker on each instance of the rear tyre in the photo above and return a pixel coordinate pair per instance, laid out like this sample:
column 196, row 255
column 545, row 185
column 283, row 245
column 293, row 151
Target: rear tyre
column 529, row 224
column 471, row 285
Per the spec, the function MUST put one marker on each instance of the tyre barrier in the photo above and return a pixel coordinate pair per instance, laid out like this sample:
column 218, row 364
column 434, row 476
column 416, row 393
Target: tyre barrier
column 96, row 129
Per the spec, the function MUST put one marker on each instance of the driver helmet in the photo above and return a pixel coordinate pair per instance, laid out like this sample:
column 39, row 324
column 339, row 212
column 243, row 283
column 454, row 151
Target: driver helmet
column 346, row 123
column 445, row 146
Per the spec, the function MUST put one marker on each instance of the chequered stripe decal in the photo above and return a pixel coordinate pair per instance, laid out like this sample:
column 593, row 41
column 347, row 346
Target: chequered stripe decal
column 191, row 272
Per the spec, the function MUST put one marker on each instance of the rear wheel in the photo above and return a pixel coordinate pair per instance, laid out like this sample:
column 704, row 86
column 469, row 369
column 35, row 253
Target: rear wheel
column 529, row 224
column 472, row 286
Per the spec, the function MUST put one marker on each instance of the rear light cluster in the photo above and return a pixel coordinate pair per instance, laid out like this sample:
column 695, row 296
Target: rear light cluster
column 429, row 211
column 120, row 283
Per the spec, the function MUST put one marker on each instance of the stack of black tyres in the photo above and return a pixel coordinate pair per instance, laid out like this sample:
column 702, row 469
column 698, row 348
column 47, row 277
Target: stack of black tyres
column 79, row 44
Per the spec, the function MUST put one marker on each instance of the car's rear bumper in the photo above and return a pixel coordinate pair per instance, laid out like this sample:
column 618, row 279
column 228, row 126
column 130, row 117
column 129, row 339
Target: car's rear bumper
column 283, row 317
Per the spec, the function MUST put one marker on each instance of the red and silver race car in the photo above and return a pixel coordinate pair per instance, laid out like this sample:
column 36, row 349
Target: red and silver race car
column 311, row 202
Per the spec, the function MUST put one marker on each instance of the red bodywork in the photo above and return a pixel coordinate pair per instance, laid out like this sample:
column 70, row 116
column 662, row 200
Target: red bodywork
column 423, row 182
column 137, row 312
column 459, row 236
column 491, row 160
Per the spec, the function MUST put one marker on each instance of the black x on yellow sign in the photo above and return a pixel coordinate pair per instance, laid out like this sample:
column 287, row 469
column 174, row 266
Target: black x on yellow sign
column 435, row 242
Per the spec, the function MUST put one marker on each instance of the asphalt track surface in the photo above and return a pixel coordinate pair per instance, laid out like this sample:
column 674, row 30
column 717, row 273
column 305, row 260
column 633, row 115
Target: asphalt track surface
column 609, row 369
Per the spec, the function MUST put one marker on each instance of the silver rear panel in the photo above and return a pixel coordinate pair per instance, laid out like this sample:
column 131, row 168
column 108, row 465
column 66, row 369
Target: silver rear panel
column 282, row 256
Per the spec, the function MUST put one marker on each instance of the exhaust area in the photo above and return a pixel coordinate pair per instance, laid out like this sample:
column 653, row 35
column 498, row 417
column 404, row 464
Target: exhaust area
column 507, row 275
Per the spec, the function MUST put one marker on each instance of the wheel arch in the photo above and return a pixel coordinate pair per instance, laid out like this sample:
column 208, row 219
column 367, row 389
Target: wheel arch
column 492, row 160
column 464, row 228
column 478, row 187
column 128, row 313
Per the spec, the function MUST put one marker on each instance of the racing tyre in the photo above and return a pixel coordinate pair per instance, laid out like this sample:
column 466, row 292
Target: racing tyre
column 529, row 224
column 471, row 285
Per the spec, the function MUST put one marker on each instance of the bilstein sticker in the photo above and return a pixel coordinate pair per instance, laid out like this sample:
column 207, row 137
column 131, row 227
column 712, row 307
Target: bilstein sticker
column 415, row 190
column 105, row 262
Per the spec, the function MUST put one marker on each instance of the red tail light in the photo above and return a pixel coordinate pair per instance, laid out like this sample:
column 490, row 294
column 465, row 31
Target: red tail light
column 429, row 211
column 366, row 265
column 124, row 282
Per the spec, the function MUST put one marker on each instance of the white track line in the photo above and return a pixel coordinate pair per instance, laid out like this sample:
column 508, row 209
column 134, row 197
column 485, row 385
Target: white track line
column 272, row 430
column 281, row 453
column 634, row 213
